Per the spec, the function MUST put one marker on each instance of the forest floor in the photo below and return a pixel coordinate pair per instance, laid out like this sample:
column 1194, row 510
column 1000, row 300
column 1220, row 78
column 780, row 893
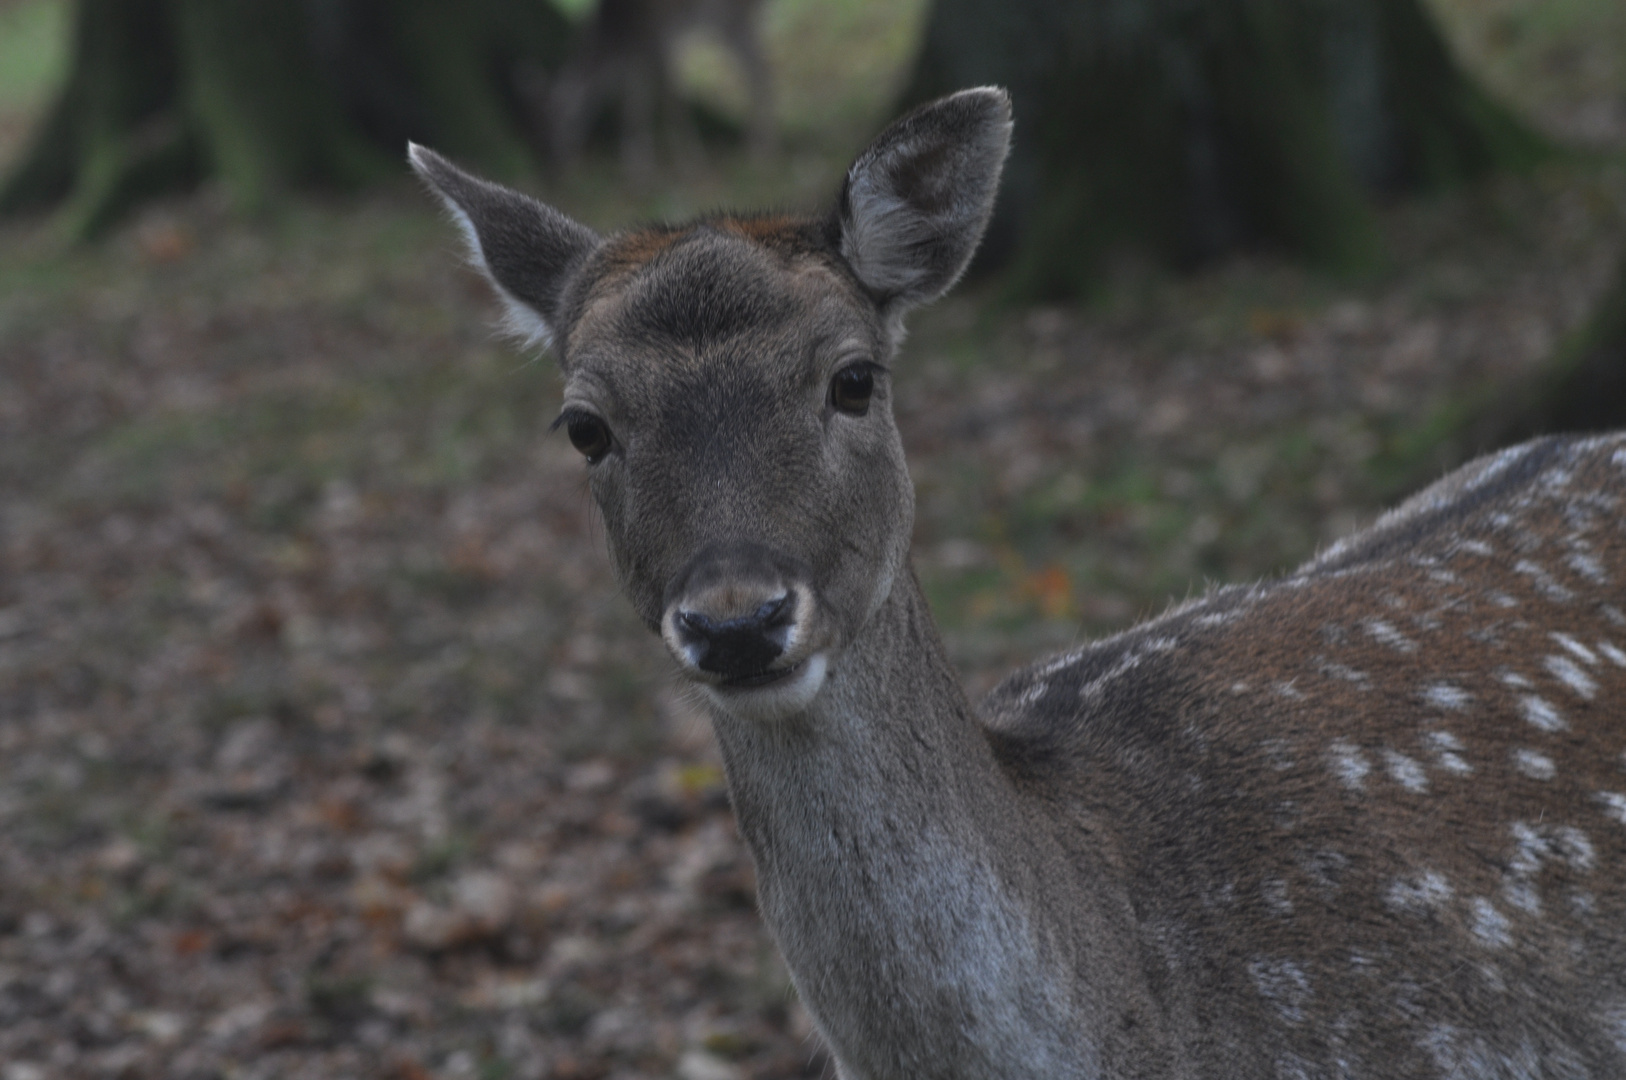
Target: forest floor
column 327, row 748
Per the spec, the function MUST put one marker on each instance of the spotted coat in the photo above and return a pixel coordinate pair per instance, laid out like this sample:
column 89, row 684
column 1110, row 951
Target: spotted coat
column 1377, row 809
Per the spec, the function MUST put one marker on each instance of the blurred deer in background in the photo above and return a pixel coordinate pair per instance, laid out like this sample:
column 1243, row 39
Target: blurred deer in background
column 626, row 54
column 1366, row 822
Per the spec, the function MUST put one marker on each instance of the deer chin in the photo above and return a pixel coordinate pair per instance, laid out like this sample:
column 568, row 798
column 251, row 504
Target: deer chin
column 774, row 695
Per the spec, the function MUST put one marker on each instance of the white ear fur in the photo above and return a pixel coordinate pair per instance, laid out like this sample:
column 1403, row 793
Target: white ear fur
column 519, row 320
column 915, row 203
column 884, row 234
column 524, row 248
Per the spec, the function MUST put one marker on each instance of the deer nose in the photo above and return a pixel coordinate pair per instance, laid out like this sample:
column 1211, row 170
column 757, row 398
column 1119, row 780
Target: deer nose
column 740, row 648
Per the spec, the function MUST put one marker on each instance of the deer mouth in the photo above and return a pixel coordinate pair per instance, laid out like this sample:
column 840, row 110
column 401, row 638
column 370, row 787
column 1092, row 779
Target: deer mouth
column 761, row 678
column 768, row 696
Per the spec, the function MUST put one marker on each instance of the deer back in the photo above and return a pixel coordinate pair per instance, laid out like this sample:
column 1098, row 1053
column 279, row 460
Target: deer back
column 1372, row 817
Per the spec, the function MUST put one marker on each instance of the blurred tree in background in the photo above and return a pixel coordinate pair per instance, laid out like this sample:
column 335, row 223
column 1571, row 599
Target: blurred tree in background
column 1583, row 387
column 265, row 94
column 1189, row 128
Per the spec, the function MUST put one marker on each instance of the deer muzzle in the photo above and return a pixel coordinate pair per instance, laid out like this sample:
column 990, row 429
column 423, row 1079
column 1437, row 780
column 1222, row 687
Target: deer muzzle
column 739, row 621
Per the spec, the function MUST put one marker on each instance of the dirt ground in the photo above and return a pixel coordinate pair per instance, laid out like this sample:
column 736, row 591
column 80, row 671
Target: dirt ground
column 327, row 748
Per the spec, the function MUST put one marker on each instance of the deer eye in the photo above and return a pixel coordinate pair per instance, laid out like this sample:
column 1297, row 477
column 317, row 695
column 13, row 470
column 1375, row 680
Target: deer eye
column 588, row 434
column 851, row 388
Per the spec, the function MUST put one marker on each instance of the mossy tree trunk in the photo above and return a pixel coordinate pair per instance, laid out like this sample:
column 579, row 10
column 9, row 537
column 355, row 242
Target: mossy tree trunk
column 1189, row 128
column 265, row 95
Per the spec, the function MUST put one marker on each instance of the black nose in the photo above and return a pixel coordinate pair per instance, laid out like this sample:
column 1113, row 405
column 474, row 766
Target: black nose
column 742, row 647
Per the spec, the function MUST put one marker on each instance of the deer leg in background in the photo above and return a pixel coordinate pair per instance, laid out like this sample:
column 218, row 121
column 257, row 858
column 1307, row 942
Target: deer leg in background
column 741, row 29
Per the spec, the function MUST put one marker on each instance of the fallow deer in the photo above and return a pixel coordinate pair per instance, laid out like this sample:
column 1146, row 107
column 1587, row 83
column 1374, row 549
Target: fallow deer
column 1365, row 822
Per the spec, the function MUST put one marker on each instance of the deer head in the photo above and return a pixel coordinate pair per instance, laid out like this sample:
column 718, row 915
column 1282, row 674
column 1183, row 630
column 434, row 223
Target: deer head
column 728, row 382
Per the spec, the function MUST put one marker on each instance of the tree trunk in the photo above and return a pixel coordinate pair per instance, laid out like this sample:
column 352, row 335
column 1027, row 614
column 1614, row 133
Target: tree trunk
column 1583, row 388
column 264, row 95
column 1189, row 128
column 108, row 137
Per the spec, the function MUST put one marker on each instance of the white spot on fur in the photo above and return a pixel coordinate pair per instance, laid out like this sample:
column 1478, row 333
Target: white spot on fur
column 1476, row 547
column 1325, row 869
column 1497, row 465
column 1538, row 712
column 1515, row 680
column 1579, row 651
column 1443, row 695
column 1530, row 848
column 1613, row 652
column 1536, row 766
column 1490, row 926
column 1030, row 697
column 1588, row 566
column 1094, row 687
column 1345, row 673
column 1427, row 891
column 1405, row 771
column 1060, row 663
column 1348, row 764
column 1521, row 894
column 1289, row 691
column 1447, row 747
column 1285, row 985
column 1576, row 848
column 1570, row 674
column 1222, row 897
column 1614, row 804
column 1385, row 632
column 1274, row 892
column 1544, row 581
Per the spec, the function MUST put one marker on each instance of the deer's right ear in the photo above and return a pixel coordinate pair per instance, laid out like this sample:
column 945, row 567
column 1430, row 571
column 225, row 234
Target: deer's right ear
column 916, row 202
column 527, row 249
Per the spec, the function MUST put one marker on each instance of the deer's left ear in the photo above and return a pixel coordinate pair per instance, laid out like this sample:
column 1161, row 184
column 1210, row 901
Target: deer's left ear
column 915, row 203
column 527, row 249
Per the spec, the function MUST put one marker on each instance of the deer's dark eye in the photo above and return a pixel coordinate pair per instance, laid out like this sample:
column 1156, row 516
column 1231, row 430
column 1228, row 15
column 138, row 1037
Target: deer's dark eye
column 588, row 434
column 850, row 390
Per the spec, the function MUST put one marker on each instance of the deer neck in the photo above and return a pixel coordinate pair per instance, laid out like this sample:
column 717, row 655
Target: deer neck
column 892, row 851
column 890, row 743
